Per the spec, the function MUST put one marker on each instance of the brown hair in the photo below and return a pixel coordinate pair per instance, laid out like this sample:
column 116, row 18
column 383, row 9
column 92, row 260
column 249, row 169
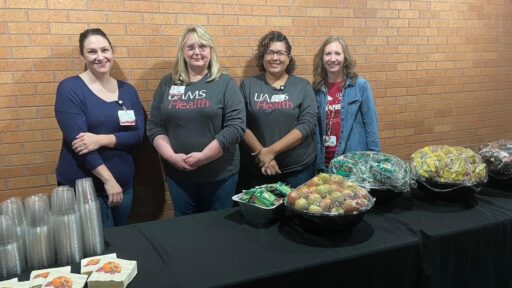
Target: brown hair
column 91, row 32
column 319, row 71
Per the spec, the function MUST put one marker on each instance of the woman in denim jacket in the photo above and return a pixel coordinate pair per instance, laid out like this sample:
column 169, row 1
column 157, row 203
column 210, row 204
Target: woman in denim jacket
column 347, row 119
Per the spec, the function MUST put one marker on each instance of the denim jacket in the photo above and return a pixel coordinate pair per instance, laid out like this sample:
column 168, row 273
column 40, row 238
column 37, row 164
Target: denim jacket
column 358, row 120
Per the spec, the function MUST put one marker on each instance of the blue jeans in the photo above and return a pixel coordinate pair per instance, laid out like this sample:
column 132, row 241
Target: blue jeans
column 293, row 179
column 189, row 198
column 118, row 215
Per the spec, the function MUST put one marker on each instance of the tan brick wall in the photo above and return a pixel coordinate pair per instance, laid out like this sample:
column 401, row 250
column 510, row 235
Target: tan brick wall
column 440, row 70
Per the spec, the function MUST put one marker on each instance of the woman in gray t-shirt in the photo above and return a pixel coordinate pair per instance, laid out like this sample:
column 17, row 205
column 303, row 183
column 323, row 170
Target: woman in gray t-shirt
column 281, row 119
column 197, row 120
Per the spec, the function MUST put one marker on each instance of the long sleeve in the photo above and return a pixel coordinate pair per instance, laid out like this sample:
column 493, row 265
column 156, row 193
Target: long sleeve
column 233, row 117
column 128, row 139
column 156, row 126
column 70, row 114
column 307, row 118
column 369, row 115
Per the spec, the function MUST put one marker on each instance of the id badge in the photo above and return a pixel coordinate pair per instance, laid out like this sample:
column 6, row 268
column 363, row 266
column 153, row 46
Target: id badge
column 126, row 117
column 329, row 141
column 176, row 92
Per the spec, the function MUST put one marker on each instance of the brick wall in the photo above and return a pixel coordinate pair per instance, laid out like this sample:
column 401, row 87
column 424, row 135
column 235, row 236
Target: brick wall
column 440, row 70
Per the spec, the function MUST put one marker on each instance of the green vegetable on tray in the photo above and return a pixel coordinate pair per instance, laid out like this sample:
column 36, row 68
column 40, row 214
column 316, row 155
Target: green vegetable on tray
column 265, row 195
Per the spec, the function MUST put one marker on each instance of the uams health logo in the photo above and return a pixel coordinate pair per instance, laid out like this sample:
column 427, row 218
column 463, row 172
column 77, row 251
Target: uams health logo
column 266, row 102
column 189, row 100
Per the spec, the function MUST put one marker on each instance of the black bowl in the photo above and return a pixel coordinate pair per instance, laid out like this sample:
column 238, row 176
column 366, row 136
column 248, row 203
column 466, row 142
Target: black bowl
column 434, row 186
column 455, row 193
column 384, row 196
column 327, row 222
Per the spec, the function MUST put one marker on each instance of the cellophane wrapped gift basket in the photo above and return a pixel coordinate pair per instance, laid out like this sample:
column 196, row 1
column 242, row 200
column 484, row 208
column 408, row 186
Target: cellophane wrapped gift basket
column 385, row 176
column 498, row 157
column 444, row 168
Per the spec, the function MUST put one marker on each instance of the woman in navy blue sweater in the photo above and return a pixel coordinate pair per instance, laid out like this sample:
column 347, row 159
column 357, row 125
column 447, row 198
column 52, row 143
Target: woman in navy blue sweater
column 101, row 119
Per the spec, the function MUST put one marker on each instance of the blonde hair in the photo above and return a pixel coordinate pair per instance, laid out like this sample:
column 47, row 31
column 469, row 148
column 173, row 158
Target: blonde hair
column 180, row 73
column 319, row 71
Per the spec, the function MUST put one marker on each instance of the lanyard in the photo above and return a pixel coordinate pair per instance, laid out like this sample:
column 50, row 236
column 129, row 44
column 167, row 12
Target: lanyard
column 329, row 113
column 121, row 103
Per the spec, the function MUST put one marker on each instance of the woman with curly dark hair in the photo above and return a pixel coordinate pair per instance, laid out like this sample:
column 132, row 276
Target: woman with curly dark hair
column 281, row 119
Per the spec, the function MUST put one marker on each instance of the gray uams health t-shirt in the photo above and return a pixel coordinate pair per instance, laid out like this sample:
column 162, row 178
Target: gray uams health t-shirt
column 272, row 113
column 203, row 111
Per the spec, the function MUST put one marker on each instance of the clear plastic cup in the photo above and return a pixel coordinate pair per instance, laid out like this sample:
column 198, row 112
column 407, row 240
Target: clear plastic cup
column 66, row 227
column 90, row 217
column 37, row 210
column 63, row 201
column 14, row 208
column 40, row 249
column 11, row 262
column 85, row 192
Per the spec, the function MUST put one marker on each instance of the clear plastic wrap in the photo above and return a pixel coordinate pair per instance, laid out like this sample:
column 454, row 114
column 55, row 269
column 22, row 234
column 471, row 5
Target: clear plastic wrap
column 329, row 202
column 328, row 194
column 374, row 170
column 498, row 157
column 448, row 167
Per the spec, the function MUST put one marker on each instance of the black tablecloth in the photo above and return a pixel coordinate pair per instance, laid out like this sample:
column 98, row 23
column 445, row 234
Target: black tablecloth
column 419, row 240
column 465, row 239
column 219, row 249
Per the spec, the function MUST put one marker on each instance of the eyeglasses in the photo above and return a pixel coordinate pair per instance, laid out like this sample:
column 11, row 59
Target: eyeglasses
column 201, row 47
column 279, row 53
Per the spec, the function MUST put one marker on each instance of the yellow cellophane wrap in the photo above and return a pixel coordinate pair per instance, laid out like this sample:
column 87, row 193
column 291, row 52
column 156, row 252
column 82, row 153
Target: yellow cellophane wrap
column 449, row 164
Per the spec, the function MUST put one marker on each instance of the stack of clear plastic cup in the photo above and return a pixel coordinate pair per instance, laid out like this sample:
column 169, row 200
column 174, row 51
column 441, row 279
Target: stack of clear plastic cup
column 10, row 259
column 90, row 215
column 40, row 252
column 66, row 226
column 14, row 208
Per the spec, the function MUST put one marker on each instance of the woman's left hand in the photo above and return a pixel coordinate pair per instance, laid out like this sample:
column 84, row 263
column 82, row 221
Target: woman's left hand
column 271, row 169
column 195, row 160
column 264, row 156
column 86, row 142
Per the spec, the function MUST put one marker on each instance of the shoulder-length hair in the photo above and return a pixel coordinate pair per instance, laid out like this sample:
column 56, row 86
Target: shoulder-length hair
column 319, row 71
column 180, row 73
column 265, row 41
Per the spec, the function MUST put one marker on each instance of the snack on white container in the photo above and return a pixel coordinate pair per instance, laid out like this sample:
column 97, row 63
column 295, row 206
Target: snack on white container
column 113, row 273
column 88, row 265
column 58, row 279
column 38, row 277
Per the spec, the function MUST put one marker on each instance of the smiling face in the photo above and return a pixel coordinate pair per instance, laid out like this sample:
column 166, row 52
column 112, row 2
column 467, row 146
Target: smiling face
column 276, row 58
column 197, row 55
column 97, row 54
column 333, row 59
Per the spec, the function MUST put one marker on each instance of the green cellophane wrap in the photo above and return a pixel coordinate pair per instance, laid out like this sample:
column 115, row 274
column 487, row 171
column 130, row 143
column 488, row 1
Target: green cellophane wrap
column 498, row 157
column 449, row 165
column 266, row 195
column 374, row 170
